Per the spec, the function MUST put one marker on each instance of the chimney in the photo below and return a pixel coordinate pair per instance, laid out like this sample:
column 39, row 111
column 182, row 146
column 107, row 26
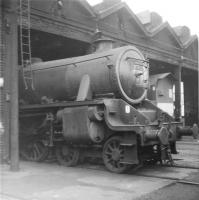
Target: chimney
column 103, row 45
column 99, row 43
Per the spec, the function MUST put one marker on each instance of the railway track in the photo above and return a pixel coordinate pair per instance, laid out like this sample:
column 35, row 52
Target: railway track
column 182, row 166
column 175, row 180
column 132, row 172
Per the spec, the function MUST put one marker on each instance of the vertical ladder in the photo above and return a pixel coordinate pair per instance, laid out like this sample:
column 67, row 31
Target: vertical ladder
column 25, row 43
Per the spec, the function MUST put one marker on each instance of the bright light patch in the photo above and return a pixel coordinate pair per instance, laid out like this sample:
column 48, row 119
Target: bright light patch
column 167, row 107
column 127, row 109
column 1, row 127
column 170, row 93
column 1, row 82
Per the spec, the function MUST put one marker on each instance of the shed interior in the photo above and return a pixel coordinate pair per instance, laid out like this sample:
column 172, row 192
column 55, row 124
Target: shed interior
column 48, row 46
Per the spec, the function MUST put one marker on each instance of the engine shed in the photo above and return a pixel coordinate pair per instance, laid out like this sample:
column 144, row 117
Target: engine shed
column 63, row 28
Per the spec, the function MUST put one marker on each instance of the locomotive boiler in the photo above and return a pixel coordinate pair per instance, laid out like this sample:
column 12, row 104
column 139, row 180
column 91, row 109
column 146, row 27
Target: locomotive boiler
column 122, row 72
column 95, row 106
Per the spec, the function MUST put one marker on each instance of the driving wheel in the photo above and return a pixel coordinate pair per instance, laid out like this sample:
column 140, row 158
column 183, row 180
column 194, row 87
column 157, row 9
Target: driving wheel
column 113, row 154
column 34, row 151
column 67, row 155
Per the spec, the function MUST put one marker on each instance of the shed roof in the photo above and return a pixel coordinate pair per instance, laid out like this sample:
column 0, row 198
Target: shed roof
column 183, row 32
column 154, row 24
column 105, row 9
column 87, row 6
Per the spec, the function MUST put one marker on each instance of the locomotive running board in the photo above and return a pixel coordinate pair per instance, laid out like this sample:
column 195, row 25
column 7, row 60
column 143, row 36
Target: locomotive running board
column 59, row 105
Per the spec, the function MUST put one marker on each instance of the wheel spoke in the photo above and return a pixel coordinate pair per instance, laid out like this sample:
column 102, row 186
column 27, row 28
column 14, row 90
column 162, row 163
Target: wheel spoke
column 108, row 153
column 110, row 147
column 70, row 156
column 34, row 154
column 115, row 163
column 37, row 149
column 116, row 145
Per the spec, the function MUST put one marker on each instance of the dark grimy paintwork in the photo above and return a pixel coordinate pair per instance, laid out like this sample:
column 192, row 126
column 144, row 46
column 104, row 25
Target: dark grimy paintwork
column 122, row 72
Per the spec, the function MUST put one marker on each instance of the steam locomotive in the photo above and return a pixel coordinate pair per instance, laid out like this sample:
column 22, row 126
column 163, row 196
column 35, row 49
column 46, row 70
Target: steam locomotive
column 95, row 106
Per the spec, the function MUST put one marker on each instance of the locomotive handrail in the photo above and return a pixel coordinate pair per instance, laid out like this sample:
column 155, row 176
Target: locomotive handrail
column 147, row 61
column 41, row 66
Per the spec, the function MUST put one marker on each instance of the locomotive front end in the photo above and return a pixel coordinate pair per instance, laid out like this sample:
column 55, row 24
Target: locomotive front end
column 133, row 75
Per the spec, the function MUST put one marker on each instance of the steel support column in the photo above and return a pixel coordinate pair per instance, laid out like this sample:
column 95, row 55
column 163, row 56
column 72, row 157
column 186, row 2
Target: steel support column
column 2, row 144
column 177, row 74
column 198, row 96
column 198, row 83
column 12, row 78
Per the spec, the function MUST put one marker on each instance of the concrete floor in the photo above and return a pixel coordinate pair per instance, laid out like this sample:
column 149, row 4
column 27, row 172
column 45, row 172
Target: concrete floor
column 188, row 153
column 46, row 181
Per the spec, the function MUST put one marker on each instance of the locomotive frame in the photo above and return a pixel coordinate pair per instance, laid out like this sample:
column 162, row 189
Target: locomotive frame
column 138, row 142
